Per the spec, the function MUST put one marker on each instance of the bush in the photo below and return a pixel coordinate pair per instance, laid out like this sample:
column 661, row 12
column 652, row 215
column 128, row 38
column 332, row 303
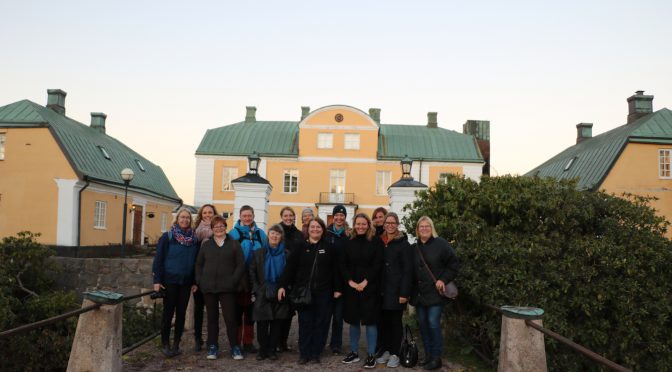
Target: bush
column 599, row 265
column 139, row 322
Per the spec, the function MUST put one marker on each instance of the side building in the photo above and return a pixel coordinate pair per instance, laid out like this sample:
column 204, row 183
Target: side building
column 633, row 158
column 333, row 155
column 62, row 179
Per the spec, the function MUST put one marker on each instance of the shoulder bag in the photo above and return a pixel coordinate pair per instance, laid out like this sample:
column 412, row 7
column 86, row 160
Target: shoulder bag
column 301, row 295
column 408, row 353
column 450, row 289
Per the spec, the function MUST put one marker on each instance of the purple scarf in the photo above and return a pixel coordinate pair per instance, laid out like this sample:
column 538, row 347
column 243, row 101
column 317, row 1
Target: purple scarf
column 183, row 237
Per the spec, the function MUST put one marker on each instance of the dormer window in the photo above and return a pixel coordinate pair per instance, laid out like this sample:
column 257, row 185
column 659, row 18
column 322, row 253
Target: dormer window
column 351, row 141
column 569, row 164
column 325, row 140
column 142, row 168
column 105, row 153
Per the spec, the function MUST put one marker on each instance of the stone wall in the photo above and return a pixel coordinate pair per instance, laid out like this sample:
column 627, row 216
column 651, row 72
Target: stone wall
column 128, row 276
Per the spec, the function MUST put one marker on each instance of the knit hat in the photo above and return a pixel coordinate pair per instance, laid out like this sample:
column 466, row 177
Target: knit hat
column 340, row 209
column 307, row 210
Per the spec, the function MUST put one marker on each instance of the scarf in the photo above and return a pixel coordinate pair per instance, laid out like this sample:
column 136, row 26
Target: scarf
column 275, row 262
column 338, row 232
column 203, row 231
column 184, row 237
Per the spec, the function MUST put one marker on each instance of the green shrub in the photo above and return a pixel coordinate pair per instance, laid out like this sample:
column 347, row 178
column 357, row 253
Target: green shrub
column 139, row 322
column 599, row 265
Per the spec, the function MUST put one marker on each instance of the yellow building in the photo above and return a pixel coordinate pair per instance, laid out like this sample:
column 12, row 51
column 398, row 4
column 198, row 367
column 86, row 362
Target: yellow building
column 634, row 158
column 335, row 154
column 61, row 178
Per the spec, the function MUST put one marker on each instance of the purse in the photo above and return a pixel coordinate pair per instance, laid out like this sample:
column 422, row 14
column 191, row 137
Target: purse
column 301, row 295
column 408, row 353
column 450, row 289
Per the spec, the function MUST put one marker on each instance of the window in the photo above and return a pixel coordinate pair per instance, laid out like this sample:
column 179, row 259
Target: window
column 569, row 164
column 2, row 146
column 105, row 153
column 337, row 186
column 164, row 222
column 291, row 180
column 383, row 180
column 228, row 174
column 664, row 163
column 325, row 140
column 139, row 165
column 443, row 177
column 99, row 215
column 351, row 141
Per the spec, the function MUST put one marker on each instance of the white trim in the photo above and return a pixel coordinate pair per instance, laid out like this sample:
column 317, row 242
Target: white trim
column 231, row 202
column 319, row 159
column 67, row 228
column 345, row 180
column 332, row 127
column 142, row 198
column 290, row 179
column 322, row 143
column 669, row 158
column 294, row 204
column 205, row 178
column 303, row 124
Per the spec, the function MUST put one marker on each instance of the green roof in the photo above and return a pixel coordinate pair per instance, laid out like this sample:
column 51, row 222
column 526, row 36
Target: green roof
column 280, row 138
column 594, row 157
column 82, row 145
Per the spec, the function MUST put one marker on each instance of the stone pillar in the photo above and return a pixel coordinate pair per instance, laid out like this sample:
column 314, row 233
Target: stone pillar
column 97, row 343
column 521, row 348
column 189, row 316
column 402, row 193
column 254, row 191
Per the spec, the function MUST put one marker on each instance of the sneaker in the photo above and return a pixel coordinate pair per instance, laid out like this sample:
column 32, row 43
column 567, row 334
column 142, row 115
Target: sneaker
column 383, row 358
column 370, row 361
column 236, row 354
column 393, row 362
column 351, row 358
column 212, row 352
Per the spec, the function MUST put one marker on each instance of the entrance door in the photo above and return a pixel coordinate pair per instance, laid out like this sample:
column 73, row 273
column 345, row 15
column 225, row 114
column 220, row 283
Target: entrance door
column 137, row 225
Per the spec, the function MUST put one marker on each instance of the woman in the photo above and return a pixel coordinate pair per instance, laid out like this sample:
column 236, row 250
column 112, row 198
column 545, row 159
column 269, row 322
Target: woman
column 306, row 215
column 396, row 289
column 173, row 273
column 434, row 253
column 313, row 318
column 378, row 217
column 293, row 238
column 203, row 232
column 267, row 265
column 219, row 268
column 361, row 264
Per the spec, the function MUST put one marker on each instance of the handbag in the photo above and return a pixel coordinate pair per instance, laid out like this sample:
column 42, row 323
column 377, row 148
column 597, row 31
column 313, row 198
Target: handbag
column 450, row 289
column 408, row 353
column 301, row 295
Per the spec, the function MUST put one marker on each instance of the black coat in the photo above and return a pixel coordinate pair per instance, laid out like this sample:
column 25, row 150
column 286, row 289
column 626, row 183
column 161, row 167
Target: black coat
column 362, row 259
column 397, row 272
column 293, row 237
column 265, row 309
column 300, row 263
column 441, row 259
column 220, row 269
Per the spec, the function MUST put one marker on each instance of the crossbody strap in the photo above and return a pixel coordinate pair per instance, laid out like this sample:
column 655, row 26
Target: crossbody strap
column 310, row 279
column 422, row 257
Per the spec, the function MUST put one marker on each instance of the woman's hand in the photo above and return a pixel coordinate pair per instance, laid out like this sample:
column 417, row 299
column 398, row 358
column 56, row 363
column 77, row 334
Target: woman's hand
column 281, row 294
column 337, row 294
column 363, row 285
column 158, row 286
column 440, row 286
column 403, row 300
column 353, row 285
column 194, row 288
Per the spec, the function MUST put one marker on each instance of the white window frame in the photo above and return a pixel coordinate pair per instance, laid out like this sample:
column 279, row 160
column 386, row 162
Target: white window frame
column 293, row 174
column 3, row 139
column 100, row 215
column 351, row 141
column 336, row 174
column 232, row 174
column 665, row 164
column 383, row 182
column 164, row 221
column 325, row 140
column 443, row 176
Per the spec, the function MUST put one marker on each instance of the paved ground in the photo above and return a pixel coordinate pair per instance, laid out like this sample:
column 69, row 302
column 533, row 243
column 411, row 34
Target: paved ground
column 148, row 358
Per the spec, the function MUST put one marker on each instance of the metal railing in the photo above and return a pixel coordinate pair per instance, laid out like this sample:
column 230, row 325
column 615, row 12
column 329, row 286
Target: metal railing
column 337, row 198
column 571, row 344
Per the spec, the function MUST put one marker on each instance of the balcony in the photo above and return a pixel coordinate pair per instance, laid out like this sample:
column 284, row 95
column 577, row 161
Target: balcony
column 337, row 198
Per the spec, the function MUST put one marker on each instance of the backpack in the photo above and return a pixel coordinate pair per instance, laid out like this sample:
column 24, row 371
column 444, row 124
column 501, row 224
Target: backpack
column 255, row 236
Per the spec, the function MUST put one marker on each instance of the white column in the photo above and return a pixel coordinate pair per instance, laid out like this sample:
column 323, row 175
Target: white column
column 399, row 197
column 67, row 226
column 256, row 196
column 205, row 178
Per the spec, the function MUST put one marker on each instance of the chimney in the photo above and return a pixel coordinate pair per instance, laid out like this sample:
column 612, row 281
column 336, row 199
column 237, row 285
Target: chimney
column 305, row 110
column 639, row 105
column 98, row 121
column 250, row 114
column 584, row 131
column 374, row 113
column 480, row 129
column 56, row 100
column 431, row 120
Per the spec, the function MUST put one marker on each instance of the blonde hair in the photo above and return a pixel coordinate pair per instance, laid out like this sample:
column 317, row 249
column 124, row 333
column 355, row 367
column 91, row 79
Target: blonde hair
column 370, row 233
column 179, row 211
column 431, row 224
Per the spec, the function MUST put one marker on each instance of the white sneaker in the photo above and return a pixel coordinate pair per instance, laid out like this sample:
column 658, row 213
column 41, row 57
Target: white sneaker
column 393, row 361
column 383, row 358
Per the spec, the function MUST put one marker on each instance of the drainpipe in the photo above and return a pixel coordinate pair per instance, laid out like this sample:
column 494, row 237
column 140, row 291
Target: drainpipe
column 79, row 216
column 420, row 172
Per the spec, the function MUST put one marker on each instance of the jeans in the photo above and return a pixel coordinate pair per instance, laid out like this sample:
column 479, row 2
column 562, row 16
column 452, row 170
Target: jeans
column 337, row 325
column 314, row 325
column 371, row 338
column 390, row 329
column 175, row 302
column 429, row 320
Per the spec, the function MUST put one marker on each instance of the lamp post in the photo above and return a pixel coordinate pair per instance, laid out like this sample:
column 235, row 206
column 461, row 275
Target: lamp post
column 127, row 176
column 253, row 161
column 406, row 164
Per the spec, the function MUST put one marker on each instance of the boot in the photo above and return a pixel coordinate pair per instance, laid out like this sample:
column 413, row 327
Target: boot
column 176, row 348
column 435, row 363
column 167, row 351
column 198, row 344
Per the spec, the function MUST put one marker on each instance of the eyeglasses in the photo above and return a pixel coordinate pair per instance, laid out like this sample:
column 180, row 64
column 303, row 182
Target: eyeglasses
column 391, row 223
column 219, row 227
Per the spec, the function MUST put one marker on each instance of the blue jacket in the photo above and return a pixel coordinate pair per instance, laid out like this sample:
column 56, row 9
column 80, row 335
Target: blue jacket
column 174, row 263
column 250, row 240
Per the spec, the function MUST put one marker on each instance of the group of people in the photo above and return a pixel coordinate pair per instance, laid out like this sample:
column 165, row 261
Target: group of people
column 364, row 275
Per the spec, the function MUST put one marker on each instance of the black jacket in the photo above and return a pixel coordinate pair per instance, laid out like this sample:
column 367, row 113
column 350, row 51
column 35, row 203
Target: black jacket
column 441, row 259
column 362, row 259
column 300, row 263
column 293, row 237
column 220, row 269
column 265, row 309
column 397, row 272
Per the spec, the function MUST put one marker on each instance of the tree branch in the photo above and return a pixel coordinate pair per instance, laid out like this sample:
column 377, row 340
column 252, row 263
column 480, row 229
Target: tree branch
column 20, row 283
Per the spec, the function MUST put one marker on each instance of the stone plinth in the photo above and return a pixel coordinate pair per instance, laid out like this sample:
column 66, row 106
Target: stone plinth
column 255, row 193
column 521, row 348
column 97, row 343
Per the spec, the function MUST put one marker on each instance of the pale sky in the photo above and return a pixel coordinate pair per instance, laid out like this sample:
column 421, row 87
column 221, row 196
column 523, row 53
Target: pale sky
column 166, row 71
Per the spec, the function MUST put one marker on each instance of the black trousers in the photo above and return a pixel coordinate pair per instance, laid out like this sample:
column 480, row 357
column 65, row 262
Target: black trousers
column 199, row 305
column 268, row 334
column 314, row 325
column 390, row 329
column 174, row 303
column 285, row 326
column 228, row 303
